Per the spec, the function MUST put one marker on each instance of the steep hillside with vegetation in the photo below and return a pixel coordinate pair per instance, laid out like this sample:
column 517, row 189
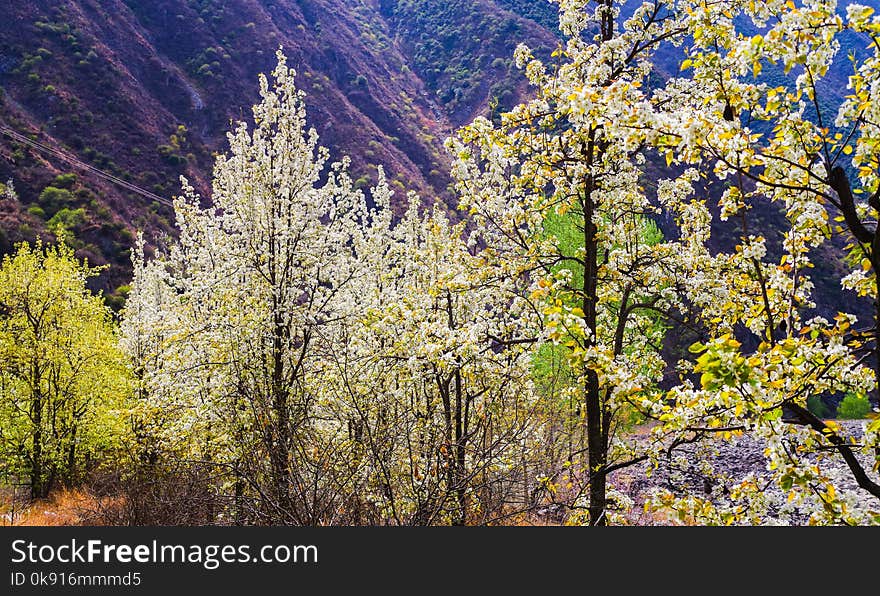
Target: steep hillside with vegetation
column 463, row 50
column 661, row 282
column 146, row 90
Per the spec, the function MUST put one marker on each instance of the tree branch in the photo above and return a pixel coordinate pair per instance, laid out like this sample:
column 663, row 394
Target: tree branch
column 839, row 182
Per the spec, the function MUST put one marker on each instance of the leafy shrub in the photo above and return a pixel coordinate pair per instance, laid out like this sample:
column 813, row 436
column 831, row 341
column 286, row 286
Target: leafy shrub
column 37, row 211
column 52, row 199
column 171, row 157
column 64, row 180
column 68, row 219
column 818, row 407
column 26, row 231
column 853, row 407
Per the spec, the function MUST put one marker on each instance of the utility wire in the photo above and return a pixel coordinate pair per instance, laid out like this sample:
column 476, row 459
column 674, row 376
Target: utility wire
column 81, row 164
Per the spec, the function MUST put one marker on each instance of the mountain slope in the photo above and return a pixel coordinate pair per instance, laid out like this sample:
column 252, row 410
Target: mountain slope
column 146, row 91
column 463, row 49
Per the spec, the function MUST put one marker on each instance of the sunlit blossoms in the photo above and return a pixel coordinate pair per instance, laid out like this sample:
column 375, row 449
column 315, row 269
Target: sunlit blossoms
column 331, row 362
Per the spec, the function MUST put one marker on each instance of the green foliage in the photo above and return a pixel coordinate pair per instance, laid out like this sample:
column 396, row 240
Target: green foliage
column 53, row 199
column 854, row 407
column 544, row 13
column 65, row 180
column 57, row 28
column 68, row 220
column 206, row 65
column 818, row 407
column 64, row 380
column 454, row 44
column 177, row 143
column 37, row 211
column 569, row 240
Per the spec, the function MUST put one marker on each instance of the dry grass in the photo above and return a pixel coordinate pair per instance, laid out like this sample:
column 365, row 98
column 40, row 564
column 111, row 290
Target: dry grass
column 62, row 508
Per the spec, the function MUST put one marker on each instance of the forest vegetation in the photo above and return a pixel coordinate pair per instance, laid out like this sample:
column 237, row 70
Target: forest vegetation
column 307, row 347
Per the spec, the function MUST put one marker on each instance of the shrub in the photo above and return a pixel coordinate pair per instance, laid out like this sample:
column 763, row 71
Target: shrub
column 37, row 211
column 52, row 199
column 26, row 231
column 818, row 407
column 69, row 219
column 64, row 180
column 853, row 407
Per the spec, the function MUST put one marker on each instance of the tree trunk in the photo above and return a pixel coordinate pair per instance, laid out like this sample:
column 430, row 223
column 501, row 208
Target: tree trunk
column 71, row 458
column 279, row 452
column 875, row 263
column 448, row 444
column 839, row 182
column 876, row 395
column 596, row 450
column 596, row 443
column 38, row 489
column 460, row 438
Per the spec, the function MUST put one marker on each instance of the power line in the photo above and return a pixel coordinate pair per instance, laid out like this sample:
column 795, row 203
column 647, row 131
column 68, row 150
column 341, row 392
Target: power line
column 81, row 164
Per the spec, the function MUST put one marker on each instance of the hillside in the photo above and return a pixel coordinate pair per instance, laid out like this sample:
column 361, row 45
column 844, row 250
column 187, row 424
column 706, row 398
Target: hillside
column 146, row 91
column 622, row 295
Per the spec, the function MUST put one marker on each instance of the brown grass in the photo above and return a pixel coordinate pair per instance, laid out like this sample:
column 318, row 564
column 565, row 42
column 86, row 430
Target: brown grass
column 69, row 507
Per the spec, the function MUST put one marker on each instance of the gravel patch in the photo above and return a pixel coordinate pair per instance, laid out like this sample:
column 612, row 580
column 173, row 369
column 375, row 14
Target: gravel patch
column 684, row 473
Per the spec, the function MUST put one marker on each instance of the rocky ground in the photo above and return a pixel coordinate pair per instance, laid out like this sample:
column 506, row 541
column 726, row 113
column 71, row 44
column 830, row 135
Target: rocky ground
column 735, row 460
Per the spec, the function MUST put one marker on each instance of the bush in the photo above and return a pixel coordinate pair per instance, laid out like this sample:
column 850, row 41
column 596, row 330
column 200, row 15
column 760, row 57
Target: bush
column 69, row 219
column 154, row 495
column 64, row 180
column 52, row 199
column 37, row 211
column 818, row 407
column 854, row 407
